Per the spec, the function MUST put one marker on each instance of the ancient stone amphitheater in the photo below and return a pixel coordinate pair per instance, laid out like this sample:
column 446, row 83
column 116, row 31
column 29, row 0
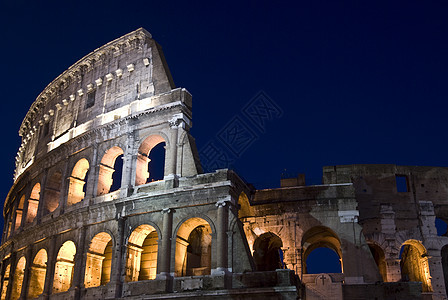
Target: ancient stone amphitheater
column 110, row 201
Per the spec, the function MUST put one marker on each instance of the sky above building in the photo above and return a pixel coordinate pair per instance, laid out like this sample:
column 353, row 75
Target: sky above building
column 279, row 88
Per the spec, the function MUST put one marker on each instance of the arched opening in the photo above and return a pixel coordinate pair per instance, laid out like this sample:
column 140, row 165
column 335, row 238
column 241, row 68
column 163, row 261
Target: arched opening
column 19, row 212
column 63, row 273
column 268, row 254
column 77, row 181
column 53, row 192
column 444, row 255
column 141, row 261
column 325, row 243
column 441, row 227
column 414, row 264
column 150, row 160
column 5, row 282
column 193, row 248
column 245, row 209
column 110, row 171
column 33, row 203
column 98, row 263
column 38, row 272
column 18, row 278
column 380, row 260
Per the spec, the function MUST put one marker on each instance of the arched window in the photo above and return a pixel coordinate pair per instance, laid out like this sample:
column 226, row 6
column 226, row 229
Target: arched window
column 268, row 254
column 77, row 181
column 99, row 257
column 141, row 260
column 145, row 160
column 414, row 264
column 18, row 278
column 5, row 282
column 63, row 273
column 325, row 243
column 38, row 272
column 109, row 177
column 53, row 192
column 193, row 248
column 19, row 212
column 33, row 203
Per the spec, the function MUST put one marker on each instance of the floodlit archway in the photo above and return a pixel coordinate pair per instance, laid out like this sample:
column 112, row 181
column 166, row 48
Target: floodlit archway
column 53, row 192
column 317, row 238
column 77, row 180
column 268, row 254
column 110, row 169
column 19, row 212
column 33, row 203
column 380, row 260
column 65, row 262
column 18, row 278
column 193, row 248
column 99, row 258
column 141, row 259
column 144, row 160
column 38, row 272
column 414, row 264
column 5, row 282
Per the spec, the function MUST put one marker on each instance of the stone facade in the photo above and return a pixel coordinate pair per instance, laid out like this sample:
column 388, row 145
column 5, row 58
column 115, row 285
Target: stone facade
column 90, row 216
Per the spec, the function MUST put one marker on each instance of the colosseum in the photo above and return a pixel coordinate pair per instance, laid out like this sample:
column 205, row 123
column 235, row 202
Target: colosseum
column 110, row 201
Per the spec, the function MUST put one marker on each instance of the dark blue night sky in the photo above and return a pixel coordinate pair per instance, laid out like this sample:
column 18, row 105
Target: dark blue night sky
column 355, row 81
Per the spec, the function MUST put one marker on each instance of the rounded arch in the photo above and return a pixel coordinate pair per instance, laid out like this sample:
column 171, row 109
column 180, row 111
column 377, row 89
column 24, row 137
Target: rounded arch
column 193, row 249
column 98, row 260
column 107, row 170
column 320, row 237
column 141, row 258
column 53, row 191
column 142, row 170
column 414, row 264
column 77, row 180
column 245, row 209
column 65, row 262
column 380, row 259
column 268, row 254
column 18, row 278
column 19, row 212
column 191, row 220
column 38, row 272
column 33, row 203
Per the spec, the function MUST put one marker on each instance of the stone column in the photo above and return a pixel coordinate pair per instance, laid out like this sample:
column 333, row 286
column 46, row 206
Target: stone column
column 128, row 172
column 12, row 271
column 41, row 204
column 26, row 276
column 92, row 180
column 436, row 273
column 118, row 270
column 172, row 167
column 165, row 252
column 393, row 269
column 80, row 263
column 221, row 236
column 49, row 275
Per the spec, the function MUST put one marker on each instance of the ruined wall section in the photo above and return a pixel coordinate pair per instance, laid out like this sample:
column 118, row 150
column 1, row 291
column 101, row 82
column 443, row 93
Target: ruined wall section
column 295, row 213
